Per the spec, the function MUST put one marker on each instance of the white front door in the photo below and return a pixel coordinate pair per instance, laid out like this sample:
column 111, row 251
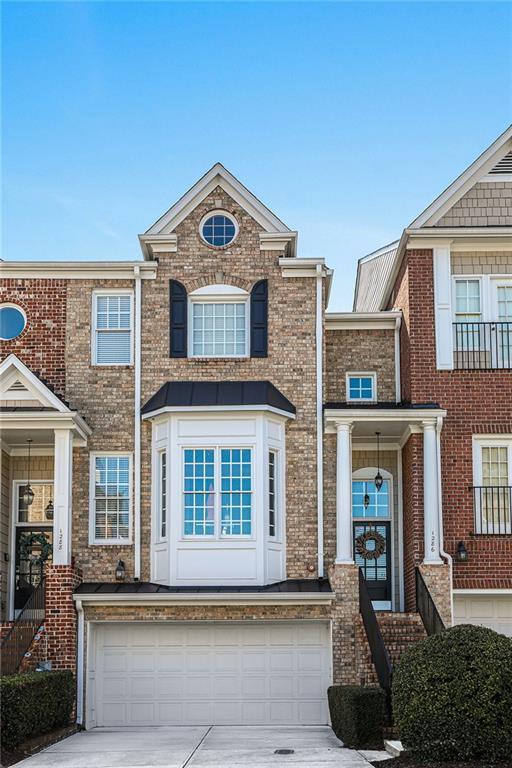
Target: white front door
column 210, row 673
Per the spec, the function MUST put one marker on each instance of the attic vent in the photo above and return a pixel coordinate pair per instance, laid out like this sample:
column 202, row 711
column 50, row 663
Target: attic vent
column 17, row 387
column 504, row 165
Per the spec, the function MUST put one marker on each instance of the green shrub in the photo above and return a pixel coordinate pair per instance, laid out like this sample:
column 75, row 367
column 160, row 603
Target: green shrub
column 357, row 715
column 34, row 703
column 452, row 696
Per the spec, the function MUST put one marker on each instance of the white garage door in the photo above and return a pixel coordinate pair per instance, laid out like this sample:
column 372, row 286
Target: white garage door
column 187, row 674
column 487, row 610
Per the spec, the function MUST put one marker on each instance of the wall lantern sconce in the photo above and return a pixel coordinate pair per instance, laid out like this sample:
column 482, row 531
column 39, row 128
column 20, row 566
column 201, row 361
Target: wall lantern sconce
column 120, row 571
column 48, row 512
column 27, row 494
column 462, row 553
column 378, row 477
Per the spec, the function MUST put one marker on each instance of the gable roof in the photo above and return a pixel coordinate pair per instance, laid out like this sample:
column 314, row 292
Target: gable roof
column 217, row 176
column 381, row 267
column 17, row 382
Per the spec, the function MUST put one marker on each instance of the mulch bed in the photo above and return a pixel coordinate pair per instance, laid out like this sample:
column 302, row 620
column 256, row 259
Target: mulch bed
column 409, row 762
column 36, row 744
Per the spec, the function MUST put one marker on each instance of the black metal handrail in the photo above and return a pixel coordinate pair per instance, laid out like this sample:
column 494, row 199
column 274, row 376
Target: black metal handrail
column 482, row 346
column 380, row 656
column 492, row 506
column 426, row 607
column 17, row 641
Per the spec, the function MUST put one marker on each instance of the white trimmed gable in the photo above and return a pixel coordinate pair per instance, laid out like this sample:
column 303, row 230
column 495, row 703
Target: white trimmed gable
column 217, row 176
column 17, row 382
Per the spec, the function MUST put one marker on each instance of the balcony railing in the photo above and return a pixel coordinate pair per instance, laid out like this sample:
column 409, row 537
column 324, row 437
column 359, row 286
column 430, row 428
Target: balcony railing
column 492, row 507
column 482, row 346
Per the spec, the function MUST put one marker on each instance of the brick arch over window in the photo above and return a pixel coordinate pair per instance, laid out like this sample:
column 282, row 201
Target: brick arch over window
column 218, row 278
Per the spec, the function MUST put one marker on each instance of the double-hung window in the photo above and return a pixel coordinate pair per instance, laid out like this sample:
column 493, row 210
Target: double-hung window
column 361, row 387
column 112, row 328
column 469, row 333
column 110, row 496
column 217, row 492
column 493, row 485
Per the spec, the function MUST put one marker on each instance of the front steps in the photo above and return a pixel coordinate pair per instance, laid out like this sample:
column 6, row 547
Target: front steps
column 399, row 632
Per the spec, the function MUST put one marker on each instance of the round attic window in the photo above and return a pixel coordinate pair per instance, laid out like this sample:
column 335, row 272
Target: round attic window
column 12, row 321
column 218, row 229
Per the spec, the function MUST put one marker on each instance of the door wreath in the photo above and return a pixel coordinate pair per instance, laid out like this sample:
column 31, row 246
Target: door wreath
column 362, row 545
column 27, row 543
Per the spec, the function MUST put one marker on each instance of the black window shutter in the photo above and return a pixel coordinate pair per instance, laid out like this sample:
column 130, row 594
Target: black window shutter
column 178, row 319
column 259, row 319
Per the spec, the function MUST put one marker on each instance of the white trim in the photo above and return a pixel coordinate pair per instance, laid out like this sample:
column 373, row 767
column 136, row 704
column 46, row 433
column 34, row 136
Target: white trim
column 443, row 307
column 12, row 305
column 319, row 419
column 31, row 381
column 207, row 598
column 361, row 374
column 80, row 662
column 352, row 321
column 468, row 592
column 479, row 168
column 398, row 371
column 227, row 215
column 218, row 175
column 414, row 416
column 93, row 541
column 496, row 177
column 137, row 368
column 279, row 241
column 217, row 409
column 400, row 521
column 47, row 420
column 95, row 330
column 78, row 270
column 218, row 291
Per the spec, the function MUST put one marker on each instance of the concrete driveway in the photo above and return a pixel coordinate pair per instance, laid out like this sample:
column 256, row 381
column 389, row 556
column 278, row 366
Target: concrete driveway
column 198, row 747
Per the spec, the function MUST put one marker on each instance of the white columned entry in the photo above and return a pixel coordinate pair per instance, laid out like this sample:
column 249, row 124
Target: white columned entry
column 344, row 493
column 62, row 483
column 430, row 494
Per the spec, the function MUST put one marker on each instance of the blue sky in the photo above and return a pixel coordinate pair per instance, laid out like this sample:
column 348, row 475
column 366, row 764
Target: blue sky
column 346, row 119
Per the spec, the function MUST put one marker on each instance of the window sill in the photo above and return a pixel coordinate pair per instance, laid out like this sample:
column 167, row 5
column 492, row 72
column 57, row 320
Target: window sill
column 223, row 358
column 111, row 543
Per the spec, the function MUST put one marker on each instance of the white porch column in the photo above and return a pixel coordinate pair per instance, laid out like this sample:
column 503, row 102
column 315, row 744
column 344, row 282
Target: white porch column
column 430, row 494
column 344, row 493
column 62, row 479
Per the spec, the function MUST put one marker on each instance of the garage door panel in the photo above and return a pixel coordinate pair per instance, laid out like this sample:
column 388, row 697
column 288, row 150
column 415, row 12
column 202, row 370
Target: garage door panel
column 493, row 611
column 194, row 674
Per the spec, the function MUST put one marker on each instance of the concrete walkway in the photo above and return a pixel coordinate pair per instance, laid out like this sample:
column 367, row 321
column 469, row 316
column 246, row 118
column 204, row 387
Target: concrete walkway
column 199, row 747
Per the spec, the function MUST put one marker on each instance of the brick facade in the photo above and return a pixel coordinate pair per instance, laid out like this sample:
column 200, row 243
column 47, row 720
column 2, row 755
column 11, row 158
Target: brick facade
column 371, row 351
column 468, row 413
column 41, row 345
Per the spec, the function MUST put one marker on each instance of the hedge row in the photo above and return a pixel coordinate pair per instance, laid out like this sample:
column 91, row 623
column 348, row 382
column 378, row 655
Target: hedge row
column 452, row 696
column 34, row 703
column 357, row 715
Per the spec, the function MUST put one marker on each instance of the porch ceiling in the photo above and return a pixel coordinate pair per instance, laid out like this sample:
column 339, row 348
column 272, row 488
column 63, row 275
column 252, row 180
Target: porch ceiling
column 394, row 422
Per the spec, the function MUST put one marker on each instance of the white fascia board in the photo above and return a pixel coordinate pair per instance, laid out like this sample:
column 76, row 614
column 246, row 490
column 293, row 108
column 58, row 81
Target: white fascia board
column 226, row 409
column 78, row 270
column 33, row 383
column 415, row 415
column 362, row 320
column 45, row 420
column 217, row 176
column 303, row 267
column 378, row 252
column 208, row 598
column 479, row 168
column 469, row 592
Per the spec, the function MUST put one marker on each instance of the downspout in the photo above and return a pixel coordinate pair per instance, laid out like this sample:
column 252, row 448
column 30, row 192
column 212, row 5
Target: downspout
column 136, row 425
column 80, row 664
column 319, row 418
column 442, row 551
column 398, row 381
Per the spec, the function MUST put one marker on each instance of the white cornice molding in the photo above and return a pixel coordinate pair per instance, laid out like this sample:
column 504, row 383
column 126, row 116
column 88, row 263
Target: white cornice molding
column 207, row 598
column 155, row 244
column 46, row 420
column 414, row 418
column 216, row 409
column 78, row 270
column 279, row 241
column 482, row 592
column 353, row 321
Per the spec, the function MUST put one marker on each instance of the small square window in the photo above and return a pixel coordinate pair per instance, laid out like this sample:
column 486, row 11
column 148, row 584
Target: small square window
column 361, row 387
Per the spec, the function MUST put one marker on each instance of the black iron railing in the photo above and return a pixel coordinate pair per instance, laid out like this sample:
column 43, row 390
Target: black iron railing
column 380, row 656
column 426, row 607
column 17, row 642
column 482, row 346
column 492, row 508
